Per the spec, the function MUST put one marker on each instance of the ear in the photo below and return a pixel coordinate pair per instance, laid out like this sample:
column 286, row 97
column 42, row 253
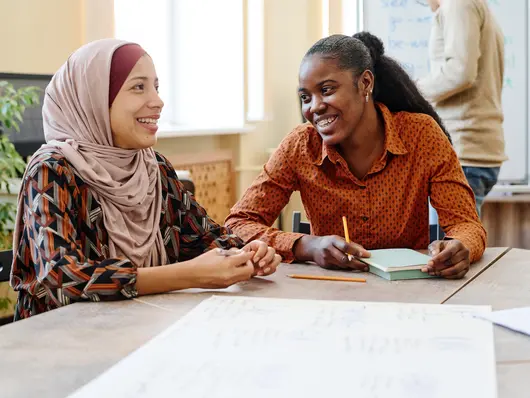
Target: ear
column 365, row 82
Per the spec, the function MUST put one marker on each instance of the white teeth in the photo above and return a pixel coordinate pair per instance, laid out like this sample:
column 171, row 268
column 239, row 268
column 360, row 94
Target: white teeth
column 326, row 122
column 147, row 120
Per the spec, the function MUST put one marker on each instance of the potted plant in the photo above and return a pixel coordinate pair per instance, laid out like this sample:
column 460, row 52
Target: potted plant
column 13, row 103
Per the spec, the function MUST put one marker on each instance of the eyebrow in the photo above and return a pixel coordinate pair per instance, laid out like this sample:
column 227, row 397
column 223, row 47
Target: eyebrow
column 300, row 89
column 144, row 78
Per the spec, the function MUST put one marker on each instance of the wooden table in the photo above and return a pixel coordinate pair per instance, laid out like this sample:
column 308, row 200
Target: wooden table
column 506, row 284
column 53, row 354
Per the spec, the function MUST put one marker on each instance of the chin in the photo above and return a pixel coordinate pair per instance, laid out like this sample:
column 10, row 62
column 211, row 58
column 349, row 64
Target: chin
column 332, row 139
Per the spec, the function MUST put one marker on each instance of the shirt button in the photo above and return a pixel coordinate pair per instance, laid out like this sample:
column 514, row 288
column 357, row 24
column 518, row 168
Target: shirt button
column 364, row 218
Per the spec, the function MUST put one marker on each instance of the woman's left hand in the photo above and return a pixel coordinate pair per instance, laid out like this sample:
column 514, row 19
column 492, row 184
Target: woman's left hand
column 265, row 260
column 450, row 259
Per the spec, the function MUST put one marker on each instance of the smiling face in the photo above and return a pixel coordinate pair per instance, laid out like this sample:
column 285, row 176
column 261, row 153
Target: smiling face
column 135, row 112
column 332, row 100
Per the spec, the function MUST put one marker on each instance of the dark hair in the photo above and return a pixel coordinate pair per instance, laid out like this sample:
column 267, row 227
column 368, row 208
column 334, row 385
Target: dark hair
column 393, row 86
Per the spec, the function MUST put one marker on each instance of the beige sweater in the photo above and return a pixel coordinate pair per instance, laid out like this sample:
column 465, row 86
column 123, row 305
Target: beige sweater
column 465, row 84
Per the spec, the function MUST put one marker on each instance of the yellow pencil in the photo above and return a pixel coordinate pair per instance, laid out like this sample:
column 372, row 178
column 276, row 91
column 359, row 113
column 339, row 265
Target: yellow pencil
column 346, row 234
column 326, row 278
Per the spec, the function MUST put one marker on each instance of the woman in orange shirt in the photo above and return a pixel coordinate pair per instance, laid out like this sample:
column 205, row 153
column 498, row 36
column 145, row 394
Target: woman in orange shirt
column 375, row 151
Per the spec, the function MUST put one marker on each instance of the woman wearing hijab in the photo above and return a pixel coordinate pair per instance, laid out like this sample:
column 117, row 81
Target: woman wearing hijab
column 101, row 215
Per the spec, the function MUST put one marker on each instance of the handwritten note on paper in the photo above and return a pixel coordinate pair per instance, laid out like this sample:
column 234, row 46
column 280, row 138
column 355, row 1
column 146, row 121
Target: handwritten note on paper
column 241, row 347
column 517, row 319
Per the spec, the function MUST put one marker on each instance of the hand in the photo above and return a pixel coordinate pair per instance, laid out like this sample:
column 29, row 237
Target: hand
column 218, row 268
column 450, row 259
column 265, row 260
column 331, row 252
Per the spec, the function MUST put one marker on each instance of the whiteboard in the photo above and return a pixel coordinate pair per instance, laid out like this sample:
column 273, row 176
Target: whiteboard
column 404, row 26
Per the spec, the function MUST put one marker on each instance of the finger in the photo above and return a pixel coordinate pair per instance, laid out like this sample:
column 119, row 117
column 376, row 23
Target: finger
column 336, row 258
column 443, row 258
column 271, row 267
column 455, row 270
column 260, row 248
column 350, row 248
column 460, row 275
column 435, row 247
column 435, row 266
column 269, row 257
column 357, row 265
column 243, row 258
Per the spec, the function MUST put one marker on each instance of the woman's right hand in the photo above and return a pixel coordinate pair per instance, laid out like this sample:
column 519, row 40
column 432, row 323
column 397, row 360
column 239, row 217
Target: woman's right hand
column 331, row 252
column 219, row 268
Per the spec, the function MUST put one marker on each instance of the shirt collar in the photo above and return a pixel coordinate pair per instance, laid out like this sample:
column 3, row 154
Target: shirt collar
column 393, row 142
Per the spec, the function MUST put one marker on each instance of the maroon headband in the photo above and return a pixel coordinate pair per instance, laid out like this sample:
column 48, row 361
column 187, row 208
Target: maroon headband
column 123, row 61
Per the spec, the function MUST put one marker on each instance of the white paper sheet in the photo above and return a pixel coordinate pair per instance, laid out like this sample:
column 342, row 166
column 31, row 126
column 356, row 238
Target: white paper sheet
column 517, row 319
column 239, row 347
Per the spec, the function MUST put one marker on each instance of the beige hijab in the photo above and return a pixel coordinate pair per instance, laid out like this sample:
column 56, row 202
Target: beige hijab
column 125, row 182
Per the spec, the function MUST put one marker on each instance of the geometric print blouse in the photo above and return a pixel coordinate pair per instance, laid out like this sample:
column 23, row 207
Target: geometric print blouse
column 63, row 252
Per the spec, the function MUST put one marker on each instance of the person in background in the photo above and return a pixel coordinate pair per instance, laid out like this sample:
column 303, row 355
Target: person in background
column 465, row 85
column 101, row 215
column 373, row 150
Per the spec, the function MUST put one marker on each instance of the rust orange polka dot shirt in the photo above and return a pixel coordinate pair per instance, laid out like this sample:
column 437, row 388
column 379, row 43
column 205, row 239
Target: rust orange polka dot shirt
column 387, row 208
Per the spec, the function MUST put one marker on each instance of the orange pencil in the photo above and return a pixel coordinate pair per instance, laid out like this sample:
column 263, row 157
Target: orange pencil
column 346, row 234
column 326, row 278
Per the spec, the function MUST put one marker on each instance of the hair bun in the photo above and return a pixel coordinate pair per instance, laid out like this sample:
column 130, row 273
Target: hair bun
column 374, row 44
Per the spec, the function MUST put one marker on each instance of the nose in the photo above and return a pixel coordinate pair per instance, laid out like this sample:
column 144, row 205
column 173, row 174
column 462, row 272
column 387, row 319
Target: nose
column 156, row 101
column 317, row 105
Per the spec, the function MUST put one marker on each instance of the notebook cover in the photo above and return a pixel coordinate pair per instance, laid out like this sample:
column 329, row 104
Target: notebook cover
column 387, row 259
column 400, row 275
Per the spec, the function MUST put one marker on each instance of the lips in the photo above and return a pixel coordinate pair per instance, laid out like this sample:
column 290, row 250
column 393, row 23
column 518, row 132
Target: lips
column 149, row 123
column 324, row 124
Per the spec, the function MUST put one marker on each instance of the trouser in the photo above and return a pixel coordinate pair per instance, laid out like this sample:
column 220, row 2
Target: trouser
column 481, row 180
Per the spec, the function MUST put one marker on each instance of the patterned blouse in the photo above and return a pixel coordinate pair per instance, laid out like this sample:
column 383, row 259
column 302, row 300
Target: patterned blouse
column 387, row 208
column 63, row 254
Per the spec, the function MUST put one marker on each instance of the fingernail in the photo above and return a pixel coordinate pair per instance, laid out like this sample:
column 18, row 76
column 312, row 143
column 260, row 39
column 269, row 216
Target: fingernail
column 430, row 263
column 262, row 263
column 267, row 270
column 424, row 269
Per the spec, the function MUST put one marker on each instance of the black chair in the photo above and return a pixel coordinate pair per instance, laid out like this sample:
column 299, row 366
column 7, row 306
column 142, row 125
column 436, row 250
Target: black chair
column 6, row 260
column 188, row 184
column 185, row 178
column 435, row 231
column 300, row 226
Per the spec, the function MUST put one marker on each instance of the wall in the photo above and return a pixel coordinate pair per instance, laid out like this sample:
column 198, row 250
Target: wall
column 38, row 36
column 41, row 35
column 291, row 27
column 46, row 32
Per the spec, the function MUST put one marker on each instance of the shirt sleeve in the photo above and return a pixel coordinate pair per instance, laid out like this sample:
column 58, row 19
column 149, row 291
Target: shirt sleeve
column 254, row 214
column 61, row 267
column 461, row 22
column 199, row 233
column 451, row 195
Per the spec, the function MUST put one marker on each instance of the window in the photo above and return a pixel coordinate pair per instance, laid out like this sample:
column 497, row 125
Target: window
column 341, row 16
column 199, row 49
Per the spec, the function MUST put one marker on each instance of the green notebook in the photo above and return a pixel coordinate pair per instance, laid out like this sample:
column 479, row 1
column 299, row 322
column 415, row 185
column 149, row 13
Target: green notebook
column 395, row 264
